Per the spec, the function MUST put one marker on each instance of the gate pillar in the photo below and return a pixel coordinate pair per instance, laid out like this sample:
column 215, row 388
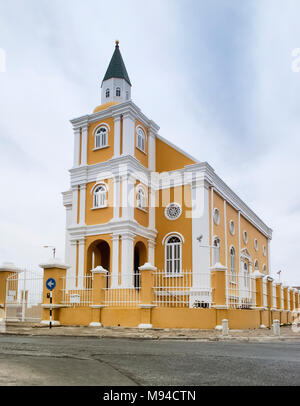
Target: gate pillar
column 56, row 270
column 6, row 269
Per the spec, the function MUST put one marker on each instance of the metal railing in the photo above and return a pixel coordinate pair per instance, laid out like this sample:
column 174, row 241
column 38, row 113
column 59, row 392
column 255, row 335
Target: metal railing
column 240, row 291
column 185, row 289
column 123, row 291
column 77, row 291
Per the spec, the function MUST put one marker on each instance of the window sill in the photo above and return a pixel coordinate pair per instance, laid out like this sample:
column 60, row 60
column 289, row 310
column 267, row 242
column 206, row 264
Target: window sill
column 140, row 208
column 98, row 208
column 97, row 149
column 141, row 150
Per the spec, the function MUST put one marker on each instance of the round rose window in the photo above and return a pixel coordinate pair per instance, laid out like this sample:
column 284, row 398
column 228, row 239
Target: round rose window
column 173, row 211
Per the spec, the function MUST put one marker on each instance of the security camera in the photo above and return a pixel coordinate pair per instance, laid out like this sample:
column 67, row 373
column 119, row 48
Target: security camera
column 200, row 238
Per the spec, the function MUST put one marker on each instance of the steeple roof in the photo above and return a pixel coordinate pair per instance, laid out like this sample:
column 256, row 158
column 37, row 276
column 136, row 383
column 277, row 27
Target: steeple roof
column 116, row 67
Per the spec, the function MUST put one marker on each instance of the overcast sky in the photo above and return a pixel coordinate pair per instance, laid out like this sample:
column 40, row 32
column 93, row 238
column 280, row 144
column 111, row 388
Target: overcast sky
column 215, row 75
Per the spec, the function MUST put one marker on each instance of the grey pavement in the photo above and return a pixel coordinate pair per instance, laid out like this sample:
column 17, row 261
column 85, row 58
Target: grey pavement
column 54, row 360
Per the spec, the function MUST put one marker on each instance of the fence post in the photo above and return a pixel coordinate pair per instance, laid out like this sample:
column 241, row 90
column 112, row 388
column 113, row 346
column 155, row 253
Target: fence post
column 99, row 285
column 269, row 292
column 218, row 282
column 57, row 270
column 6, row 269
column 296, row 300
column 147, row 294
column 225, row 329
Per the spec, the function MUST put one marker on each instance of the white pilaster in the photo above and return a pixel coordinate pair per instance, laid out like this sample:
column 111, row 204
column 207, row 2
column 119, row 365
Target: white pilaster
column 117, row 136
column 71, row 273
column 127, row 260
column 200, row 226
column 151, row 252
column 116, row 197
column 152, row 151
column 128, row 134
column 81, row 263
column 84, row 137
column 128, row 196
column 152, row 206
column 76, row 147
column 74, row 204
column 67, row 236
column 115, row 260
column 82, row 204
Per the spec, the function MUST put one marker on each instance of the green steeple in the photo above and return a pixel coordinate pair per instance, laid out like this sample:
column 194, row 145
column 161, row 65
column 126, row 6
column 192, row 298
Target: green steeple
column 116, row 68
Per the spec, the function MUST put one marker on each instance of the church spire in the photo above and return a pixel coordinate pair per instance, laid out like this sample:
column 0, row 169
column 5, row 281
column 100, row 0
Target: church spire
column 116, row 68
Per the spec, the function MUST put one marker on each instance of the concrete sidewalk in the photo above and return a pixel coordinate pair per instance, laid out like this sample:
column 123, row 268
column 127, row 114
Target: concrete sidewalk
column 263, row 334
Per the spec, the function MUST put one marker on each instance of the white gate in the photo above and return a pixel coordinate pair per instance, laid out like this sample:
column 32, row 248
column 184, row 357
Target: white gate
column 24, row 295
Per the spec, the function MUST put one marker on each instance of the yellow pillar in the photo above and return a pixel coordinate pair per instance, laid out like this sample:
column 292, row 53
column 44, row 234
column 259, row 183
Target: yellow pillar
column 297, row 300
column 285, row 297
column 56, row 270
column 269, row 292
column 259, row 290
column 291, row 292
column 218, row 282
column 147, row 294
column 6, row 269
column 99, row 285
column 278, row 296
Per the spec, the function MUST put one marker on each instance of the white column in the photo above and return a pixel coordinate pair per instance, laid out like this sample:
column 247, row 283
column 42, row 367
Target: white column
column 74, row 204
column 117, row 136
column 128, row 196
column 152, row 151
column 71, row 272
column 76, row 146
column 116, row 197
column 84, row 137
column 81, row 262
column 128, row 134
column 82, row 204
column 127, row 260
column 225, row 230
column 115, row 260
column 67, row 242
column 200, row 226
column 151, row 252
column 152, row 206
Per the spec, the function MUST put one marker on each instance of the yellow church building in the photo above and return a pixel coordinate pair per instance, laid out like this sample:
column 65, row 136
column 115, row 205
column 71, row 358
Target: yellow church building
column 139, row 203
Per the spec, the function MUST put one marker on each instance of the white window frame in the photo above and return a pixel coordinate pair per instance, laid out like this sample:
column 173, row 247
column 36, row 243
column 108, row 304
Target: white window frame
column 256, row 268
column 232, row 264
column 216, row 251
column 107, row 93
column 216, row 216
column 173, row 256
column 232, row 227
column 101, row 137
column 141, row 203
column 141, row 139
column 99, row 198
column 264, row 269
column 245, row 237
column 255, row 244
column 246, row 274
column 118, row 90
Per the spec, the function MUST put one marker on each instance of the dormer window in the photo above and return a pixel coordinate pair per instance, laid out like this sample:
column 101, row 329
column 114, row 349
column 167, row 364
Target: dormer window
column 141, row 139
column 107, row 93
column 118, row 92
column 101, row 138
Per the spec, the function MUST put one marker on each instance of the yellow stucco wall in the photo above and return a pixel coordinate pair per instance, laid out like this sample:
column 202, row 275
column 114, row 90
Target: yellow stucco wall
column 104, row 154
column 140, row 155
column 168, row 158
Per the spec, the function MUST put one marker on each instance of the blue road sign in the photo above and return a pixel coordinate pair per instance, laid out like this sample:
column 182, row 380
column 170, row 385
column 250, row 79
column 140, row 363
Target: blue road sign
column 50, row 284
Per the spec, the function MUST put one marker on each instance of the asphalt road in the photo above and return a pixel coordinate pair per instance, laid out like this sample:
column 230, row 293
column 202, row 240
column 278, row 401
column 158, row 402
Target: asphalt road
column 72, row 361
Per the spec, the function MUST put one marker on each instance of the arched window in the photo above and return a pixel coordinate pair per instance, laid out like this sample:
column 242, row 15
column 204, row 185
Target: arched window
column 101, row 139
column 107, row 93
column 216, row 216
column 265, row 270
column 141, row 139
column 216, row 251
column 246, row 275
column 256, row 267
column 141, row 198
column 118, row 91
column 232, row 265
column 173, row 255
column 100, row 197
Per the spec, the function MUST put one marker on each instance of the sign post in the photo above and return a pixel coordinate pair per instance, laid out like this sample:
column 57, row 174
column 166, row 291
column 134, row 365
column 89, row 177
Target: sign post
column 50, row 285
